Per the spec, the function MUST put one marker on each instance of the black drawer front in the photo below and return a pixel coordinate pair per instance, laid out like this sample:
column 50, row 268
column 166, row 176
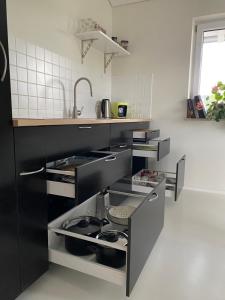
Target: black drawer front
column 163, row 148
column 145, row 226
column 123, row 133
column 180, row 174
column 63, row 140
column 96, row 176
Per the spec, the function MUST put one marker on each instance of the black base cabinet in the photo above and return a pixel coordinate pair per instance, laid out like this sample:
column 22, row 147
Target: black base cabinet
column 33, row 206
column 9, row 251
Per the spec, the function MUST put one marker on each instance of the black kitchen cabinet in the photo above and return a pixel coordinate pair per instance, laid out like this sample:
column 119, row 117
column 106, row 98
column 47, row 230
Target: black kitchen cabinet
column 33, row 206
column 9, row 253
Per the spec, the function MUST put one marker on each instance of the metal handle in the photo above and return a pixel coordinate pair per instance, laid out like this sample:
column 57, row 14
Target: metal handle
column 111, row 159
column 32, row 172
column 123, row 146
column 6, row 62
column 155, row 197
column 85, row 127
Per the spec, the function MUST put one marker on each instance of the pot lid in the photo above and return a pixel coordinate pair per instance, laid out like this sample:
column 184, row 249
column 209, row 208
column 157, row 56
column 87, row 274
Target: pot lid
column 85, row 225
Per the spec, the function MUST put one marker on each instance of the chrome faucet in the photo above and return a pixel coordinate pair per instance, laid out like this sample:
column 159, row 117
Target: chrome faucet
column 75, row 111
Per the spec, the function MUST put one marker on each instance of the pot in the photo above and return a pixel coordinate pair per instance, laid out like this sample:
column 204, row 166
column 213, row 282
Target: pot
column 108, row 256
column 86, row 225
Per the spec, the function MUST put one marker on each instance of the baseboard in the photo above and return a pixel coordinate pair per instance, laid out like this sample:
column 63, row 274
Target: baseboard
column 205, row 191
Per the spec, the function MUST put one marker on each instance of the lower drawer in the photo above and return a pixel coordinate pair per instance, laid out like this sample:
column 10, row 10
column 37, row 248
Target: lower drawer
column 143, row 228
column 174, row 180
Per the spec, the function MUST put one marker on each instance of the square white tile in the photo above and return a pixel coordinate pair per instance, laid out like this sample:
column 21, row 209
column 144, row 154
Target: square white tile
column 31, row 63
column 48, row 68
column 23, row 102
column 49, row 92
column 22, row 74
column 21, row 60
column 56, row 70
column 41, row 91
column 32, row 76
column 32, row 89
column 22, row 88
column 41, row 104
column 40, row 66
column 22, row 113
column 48, row 80
column 33, row 103
column 56, row 94
column 33, row 114
column 40, row 78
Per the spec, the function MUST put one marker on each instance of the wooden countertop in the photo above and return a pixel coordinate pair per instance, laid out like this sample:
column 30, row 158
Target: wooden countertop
column 57, row 122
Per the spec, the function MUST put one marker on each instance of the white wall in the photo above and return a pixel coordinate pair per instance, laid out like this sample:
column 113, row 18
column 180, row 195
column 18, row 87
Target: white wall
column 159, row 32
column 51, row 26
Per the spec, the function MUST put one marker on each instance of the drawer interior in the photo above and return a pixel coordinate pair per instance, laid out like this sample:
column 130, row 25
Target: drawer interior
column 67, row 166
column 174, row 180
column 156, row 148
column 112, row 199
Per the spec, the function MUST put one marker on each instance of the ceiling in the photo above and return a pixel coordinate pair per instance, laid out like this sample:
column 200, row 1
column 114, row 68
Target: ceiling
column 124, row 2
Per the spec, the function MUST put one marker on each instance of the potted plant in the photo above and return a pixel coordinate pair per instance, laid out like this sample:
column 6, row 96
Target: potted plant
column 216, row 103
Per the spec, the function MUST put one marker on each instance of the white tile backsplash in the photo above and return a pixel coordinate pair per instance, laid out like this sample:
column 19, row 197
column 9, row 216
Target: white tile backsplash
column 42, row 82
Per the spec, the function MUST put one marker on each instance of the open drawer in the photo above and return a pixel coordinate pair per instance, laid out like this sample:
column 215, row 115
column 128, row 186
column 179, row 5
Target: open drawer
column 82, row 176
column 174, row 180
column 156, row 148
column 143, row 228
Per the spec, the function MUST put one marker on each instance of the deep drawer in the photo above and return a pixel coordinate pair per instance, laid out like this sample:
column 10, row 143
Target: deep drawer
column 156, row 149
column 81, row 177
column 144, row 227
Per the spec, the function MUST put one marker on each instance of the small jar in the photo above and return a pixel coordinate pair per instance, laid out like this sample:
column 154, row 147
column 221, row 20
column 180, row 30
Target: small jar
column 124, row 44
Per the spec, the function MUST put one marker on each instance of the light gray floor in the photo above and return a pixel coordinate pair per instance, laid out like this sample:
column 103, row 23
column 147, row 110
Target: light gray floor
column 187, row 263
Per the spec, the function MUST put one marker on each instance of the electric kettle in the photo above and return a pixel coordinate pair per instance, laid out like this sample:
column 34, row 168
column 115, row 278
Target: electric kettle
column 106, row 109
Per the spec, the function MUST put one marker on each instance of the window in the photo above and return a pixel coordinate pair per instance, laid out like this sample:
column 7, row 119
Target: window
column 209, row 57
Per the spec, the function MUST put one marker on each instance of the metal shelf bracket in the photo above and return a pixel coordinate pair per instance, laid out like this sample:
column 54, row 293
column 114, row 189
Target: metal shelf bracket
column 85, row 47
column 107, row 60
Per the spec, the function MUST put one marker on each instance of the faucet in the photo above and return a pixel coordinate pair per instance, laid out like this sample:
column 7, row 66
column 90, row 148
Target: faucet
column 75, row 111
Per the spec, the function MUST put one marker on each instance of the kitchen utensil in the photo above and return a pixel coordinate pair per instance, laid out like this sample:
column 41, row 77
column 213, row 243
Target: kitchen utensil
column 84, row 225
column 120, row 214
column 109, row 256
column 106, row 108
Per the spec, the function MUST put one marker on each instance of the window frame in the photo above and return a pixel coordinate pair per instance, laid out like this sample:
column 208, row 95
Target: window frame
column 199, row 29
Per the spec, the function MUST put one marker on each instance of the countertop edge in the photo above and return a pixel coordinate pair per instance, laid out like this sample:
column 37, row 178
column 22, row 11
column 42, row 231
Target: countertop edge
column 61, row 122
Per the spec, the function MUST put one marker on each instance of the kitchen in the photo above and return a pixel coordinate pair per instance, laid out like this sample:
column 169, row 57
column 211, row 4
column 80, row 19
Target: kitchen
column 106, row 187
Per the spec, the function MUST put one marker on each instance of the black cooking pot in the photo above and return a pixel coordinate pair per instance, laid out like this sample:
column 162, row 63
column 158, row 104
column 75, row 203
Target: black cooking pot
column 86, row 225
column 109, row 256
